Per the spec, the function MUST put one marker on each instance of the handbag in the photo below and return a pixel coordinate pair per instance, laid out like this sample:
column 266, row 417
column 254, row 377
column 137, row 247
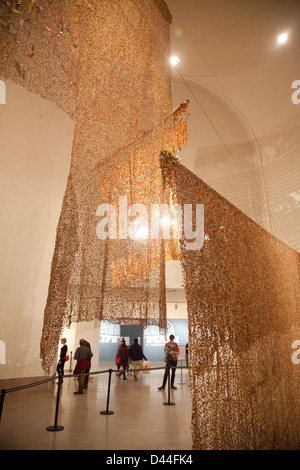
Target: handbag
column 147, row 367
column 67, row 357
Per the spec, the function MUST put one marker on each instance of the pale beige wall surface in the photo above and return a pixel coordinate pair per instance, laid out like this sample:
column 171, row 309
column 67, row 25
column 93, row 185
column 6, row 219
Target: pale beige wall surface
column 243, row 125
column 35, row 152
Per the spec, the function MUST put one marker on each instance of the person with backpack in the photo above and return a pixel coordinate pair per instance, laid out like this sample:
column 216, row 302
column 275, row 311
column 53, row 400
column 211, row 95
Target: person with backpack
column 123, row 354
column 83, row 355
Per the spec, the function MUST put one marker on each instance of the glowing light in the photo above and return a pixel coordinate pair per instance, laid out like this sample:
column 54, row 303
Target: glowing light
column 174, row 60
column 178, row 32
column 282, row 38
column 165, row 221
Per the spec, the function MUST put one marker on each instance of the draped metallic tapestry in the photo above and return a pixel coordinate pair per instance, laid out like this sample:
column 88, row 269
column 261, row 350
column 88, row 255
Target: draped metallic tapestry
column 243, row 297
column 105, row 63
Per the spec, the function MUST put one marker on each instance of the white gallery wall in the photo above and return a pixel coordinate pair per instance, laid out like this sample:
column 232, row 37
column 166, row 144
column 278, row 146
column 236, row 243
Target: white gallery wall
column 35, row 151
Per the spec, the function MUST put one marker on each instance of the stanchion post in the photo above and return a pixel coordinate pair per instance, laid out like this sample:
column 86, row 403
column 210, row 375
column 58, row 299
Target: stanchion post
column 107, row 411
column 181, row 383
column 55, row 427
column 169, row 402
column 3, row 392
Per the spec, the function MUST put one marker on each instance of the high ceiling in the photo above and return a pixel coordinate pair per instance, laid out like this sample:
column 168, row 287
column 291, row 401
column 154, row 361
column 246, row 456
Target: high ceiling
column 244, row 137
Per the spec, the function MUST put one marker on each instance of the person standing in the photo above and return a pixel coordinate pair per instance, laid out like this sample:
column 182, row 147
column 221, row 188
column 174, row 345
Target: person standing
column 187, row 354
column 62, row 357
column 123, row 354
column 137, row 356
column 171, row 354
column 83, row 355
column 86, row 377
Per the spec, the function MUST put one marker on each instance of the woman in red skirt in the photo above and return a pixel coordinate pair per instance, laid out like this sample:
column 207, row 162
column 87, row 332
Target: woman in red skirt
column 123, row 355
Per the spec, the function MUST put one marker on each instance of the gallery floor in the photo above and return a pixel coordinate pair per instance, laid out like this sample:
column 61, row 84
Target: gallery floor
column 140, row 420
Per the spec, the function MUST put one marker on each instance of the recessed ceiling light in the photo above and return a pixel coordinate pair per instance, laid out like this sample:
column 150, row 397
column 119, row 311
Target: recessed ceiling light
column 282, row 38
column 174, row 60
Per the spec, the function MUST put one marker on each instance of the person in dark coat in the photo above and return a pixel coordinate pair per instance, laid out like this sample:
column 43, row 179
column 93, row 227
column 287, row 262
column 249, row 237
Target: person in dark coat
column 62, row 357
column 83, row 355
column 137, row 356
column 123, row 354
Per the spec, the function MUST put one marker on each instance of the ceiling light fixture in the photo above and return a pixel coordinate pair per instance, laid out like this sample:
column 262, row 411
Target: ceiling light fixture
column 174, row 60
column 282, row 38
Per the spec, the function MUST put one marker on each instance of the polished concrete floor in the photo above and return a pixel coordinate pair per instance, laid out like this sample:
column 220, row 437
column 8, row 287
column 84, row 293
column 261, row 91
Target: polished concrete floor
column 140, row 420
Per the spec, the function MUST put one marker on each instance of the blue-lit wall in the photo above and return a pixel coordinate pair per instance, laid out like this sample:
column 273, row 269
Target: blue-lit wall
column 110, row 336
column 154, row 342
column 150, row 338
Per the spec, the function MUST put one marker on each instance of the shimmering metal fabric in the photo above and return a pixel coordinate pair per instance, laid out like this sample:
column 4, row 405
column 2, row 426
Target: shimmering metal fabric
column 243, row 297
column 102, row 63
column 105, row 63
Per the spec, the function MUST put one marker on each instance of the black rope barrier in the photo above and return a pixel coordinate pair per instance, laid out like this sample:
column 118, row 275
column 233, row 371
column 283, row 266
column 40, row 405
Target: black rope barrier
column 15, row 389
column 107, row 411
